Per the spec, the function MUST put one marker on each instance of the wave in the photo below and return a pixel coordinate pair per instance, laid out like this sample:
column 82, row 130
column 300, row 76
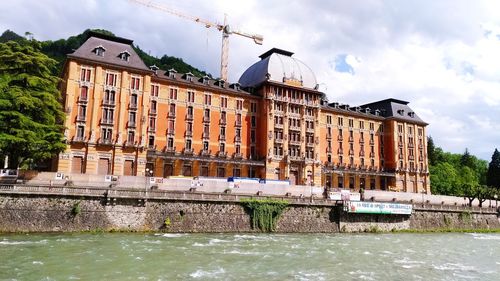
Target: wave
column 200, row 273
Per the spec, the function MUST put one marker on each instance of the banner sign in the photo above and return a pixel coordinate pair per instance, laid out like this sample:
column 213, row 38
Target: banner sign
column 379, row 208
column 344, row 195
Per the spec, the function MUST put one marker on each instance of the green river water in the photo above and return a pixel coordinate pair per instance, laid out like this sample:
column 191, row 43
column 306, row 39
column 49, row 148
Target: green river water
column 117, row 256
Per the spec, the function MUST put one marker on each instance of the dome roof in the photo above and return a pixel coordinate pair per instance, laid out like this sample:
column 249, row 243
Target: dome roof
column 278, row 66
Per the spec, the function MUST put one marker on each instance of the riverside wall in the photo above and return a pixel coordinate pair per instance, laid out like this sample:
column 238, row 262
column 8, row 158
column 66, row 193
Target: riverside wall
column 28, row 212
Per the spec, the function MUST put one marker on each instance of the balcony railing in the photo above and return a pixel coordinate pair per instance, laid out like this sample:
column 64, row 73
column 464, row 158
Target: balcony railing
column 237, row 123
column 81, row 118
column 222, row 154
column 132, row 106
column 171, row 114
column 237, row 139
column 188, row 134
column 170, row 131
column 294, row 128
column 278, row 126
column 222, row 137
column 222, row 122
column 105, row 141
column 170, row 149
column 131, row 124
column 206, row 119
column 109, row 102
column 83, row 99
column 153, row 111
column 205, row 152
column 189, row 117
column 206, row 135
column 130, row 143
column 295, row 142
column 78, row 139
column 238, row 156
column 188, row 151
column 107, row 121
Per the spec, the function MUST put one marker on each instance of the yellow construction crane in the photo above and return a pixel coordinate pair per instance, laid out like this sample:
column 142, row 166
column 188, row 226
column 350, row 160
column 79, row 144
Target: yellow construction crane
column 224, row 28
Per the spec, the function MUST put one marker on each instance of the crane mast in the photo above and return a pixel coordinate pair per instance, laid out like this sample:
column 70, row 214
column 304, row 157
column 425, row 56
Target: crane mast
column 224, row 28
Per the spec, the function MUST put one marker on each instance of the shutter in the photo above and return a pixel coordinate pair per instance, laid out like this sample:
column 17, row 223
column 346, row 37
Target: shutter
column 76, row 165
column 128, row 170
column 103, row 166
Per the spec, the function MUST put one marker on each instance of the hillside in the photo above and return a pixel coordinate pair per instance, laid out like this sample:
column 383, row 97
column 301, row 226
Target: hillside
column 60, row 48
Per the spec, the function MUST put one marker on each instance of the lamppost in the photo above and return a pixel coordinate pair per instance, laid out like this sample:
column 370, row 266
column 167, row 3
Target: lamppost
column 496, row 201
column 148, row 172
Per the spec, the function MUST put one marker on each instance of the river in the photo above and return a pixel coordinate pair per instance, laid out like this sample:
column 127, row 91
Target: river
column 117, row 256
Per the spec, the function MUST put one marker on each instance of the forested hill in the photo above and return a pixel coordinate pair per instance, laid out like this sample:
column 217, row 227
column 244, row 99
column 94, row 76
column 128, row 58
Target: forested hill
column 60, row 48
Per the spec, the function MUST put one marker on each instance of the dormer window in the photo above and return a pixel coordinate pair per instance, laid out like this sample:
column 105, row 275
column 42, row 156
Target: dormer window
column 220, row 83
column 171, row 73
column 205, row 80
column 188, row 77
column 124, row 55
column 411, row 114
column 99, row 51
column 235, row 86
column 401, row 112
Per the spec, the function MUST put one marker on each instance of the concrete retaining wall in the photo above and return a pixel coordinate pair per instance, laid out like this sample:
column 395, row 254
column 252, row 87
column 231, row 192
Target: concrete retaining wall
column 42, row 213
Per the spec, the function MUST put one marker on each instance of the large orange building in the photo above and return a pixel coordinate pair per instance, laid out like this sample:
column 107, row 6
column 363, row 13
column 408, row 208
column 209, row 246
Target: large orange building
column 125, row 118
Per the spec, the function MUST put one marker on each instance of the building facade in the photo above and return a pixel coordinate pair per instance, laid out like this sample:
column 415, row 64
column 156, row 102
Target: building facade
column 127, row 119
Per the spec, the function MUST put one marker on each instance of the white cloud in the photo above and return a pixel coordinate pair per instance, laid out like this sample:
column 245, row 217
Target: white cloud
column 441, row 56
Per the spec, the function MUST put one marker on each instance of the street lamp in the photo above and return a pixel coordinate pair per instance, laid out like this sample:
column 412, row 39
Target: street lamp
column 148, row 171
column 496, row 201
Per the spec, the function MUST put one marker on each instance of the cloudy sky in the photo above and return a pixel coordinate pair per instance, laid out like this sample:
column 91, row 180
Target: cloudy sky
column 441, row 56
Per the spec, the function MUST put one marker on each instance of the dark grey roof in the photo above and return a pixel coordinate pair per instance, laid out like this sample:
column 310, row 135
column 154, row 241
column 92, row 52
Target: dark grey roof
column 113, row 46
column 279, row 66
column 205, row 82
column 394, row 108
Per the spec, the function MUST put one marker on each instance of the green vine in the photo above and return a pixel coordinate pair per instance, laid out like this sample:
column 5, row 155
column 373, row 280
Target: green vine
column 265, row 213
column 76, row 209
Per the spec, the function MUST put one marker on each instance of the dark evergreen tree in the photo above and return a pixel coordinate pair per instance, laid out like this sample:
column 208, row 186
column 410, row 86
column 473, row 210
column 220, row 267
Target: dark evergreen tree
column 30, row 106
column 467, row 160
column 493, row 174
column 431, row 151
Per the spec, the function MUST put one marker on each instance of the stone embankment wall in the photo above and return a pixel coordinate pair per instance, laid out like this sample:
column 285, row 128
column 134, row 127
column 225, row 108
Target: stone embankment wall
column 43, row 213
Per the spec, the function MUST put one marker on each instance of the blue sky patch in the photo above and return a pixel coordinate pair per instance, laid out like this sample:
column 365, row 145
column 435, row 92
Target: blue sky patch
column 341, row 64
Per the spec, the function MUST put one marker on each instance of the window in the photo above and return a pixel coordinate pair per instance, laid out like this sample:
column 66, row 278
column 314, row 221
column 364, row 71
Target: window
column 170, row 143
column 340, row 121
column 171, row 125
column 131, row 118
column 84, row 96
column 109, row 97
column 152, row 123
column 82, row 112
column 80, row 132
column 238, row 119
column 252, row 136
column 106, row 134
column 223, row 102
column 151, row 141
column 172, row 109
column 131, row 137
column 351, row 123
column 222, row 147
column 189, row 127
column 253, row 107
column 85, row 75
column 188, row 144
column 99, row 51
column 205, row 145
column 223, row 116
column 238, row 149
column 111, row 79
column 361, row 124
column 173, row 94
column 328, row 119
column 400, row 128
column 135, row 83
column 153, row 106
column 253, row 121
column 133, row 100
column 208, row 99
column 223, row 131
column 124, row 55
column 107, row 115
column 207, row 113
column 372, row 126
column 190, row 111
column 190, row 96
column 155, row 89
column 239, row 104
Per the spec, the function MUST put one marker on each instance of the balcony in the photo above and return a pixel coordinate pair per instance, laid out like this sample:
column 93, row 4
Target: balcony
column 171, row 114
column 131, row 124
column 351, row 152
column 361, row 140
column 205, row 152
column 132, row 106
column 372, row 142
column 107, row 122
column 189, row 117
column 206, row 135
column 351, row 139
column 310, row 130
column 83, row 99
column 362, row 153
column 372, row 154
column 188, row 134
column 237, row 123
column 328, row 150
column 107, row 102
column 81, row 118
column 340, row 151
column 294, row 128
column 311, row 144
column 151, row 129
column 130, row 144
column 188, row 151
column 328, row 136
column 295, row 142
column 222, row 122
column 222, row 138
column 105, row 141
column 237, row 139
column 278, row 140
column 238, row 156
column 222, row 154
column 170, row 131
column 206, row 119
column 340, row 138
column 170, row 149
column 278, row 126
column 153, row 111
column 79, row 139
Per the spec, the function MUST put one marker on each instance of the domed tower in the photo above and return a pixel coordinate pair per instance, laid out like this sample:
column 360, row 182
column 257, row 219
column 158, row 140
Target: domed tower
column 288, row 131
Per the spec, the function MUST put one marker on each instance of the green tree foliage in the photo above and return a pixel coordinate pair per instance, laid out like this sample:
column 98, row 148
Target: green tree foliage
column 30, row 108
column 457, row 174
column 493, row 174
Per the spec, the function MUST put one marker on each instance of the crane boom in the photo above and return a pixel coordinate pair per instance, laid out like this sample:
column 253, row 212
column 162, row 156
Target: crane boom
column 224, row 28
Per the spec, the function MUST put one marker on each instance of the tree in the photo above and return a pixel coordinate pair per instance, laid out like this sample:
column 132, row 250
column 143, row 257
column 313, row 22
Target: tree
column 467, row 160
column 444, row 179
column 30, row 108
column 493, row 174
column 431, row 151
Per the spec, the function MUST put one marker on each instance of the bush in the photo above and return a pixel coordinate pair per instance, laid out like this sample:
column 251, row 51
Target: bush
column 265, row 213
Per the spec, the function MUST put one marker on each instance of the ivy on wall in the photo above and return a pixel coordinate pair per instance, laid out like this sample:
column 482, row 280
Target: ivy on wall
column 264, row 213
